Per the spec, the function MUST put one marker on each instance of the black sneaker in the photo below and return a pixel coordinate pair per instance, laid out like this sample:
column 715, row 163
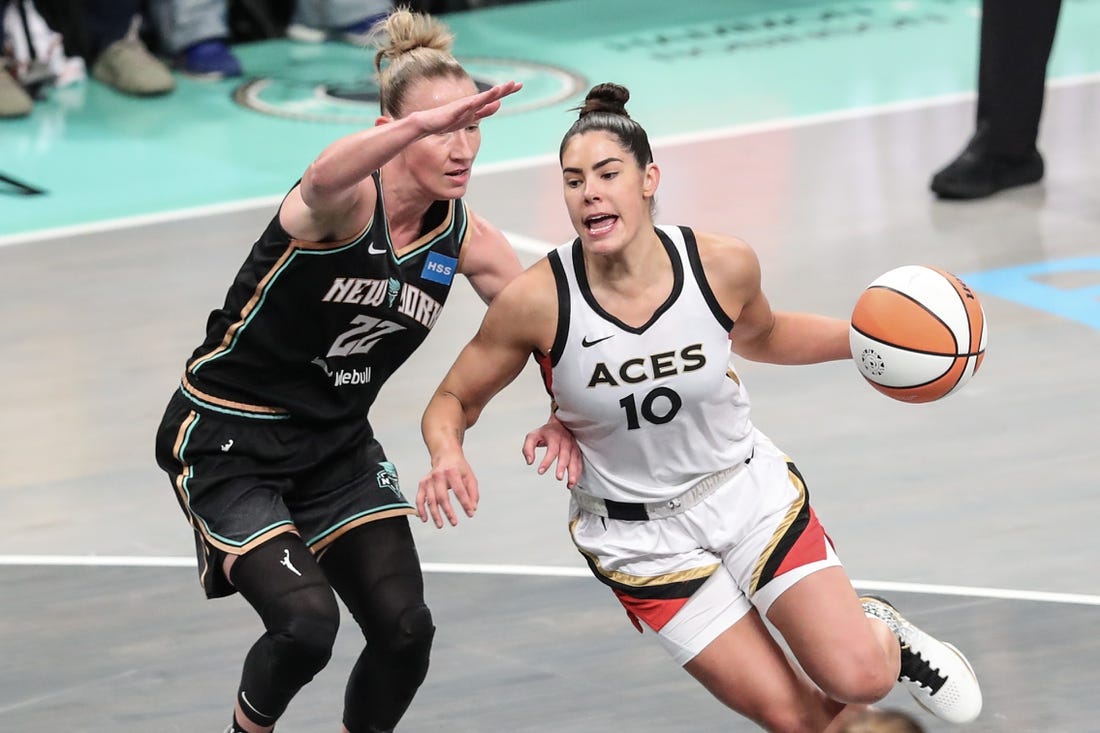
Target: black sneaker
column 934, row 672
column 978, row 173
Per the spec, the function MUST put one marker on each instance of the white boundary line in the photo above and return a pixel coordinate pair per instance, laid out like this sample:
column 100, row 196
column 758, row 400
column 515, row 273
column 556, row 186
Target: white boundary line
column 123, row 561
column 556, row 572
column 786, row 123
column 110, row 225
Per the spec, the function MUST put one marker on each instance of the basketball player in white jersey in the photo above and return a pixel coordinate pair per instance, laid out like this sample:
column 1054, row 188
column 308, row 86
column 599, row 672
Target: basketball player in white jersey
column 695, row 520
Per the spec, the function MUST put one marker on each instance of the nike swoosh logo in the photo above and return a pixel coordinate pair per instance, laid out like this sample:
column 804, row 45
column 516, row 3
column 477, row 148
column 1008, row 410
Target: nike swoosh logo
column 251, row 706
column 372, row 250
column 586, row 343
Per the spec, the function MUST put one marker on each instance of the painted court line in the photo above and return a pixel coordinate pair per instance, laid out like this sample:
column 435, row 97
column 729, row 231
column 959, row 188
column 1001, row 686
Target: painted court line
column 127, row 222
column 558, row 572
column 790, row 123
column 44, row 698
column 721, row 133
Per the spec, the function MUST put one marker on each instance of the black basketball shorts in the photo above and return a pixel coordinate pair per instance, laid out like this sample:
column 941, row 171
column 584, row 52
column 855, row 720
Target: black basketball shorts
column 242, row 481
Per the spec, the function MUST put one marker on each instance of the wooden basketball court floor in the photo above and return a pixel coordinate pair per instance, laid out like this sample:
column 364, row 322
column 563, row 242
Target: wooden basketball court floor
column 976, row 515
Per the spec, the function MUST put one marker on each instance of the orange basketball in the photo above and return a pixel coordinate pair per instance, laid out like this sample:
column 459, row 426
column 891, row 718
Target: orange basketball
column 918, row 333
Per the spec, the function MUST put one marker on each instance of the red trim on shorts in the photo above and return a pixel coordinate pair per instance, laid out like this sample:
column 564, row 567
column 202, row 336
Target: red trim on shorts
column 808, row 548
column 656, row 612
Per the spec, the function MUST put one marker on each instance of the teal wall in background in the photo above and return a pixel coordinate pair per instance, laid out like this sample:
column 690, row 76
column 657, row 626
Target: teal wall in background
column 691, row 66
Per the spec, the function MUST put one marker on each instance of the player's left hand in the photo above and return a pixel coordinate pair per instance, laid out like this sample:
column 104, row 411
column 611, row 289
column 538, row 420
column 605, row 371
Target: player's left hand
column 465, row 111
column 449, row 474
column 560, row 445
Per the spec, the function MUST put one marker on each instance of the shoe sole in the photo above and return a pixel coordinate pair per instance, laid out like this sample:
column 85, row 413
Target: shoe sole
column 952, row 192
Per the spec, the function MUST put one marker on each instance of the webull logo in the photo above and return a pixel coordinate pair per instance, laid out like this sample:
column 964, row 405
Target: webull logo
column 343, row 377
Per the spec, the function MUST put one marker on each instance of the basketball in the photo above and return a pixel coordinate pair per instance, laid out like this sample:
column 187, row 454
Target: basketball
column 918, row 333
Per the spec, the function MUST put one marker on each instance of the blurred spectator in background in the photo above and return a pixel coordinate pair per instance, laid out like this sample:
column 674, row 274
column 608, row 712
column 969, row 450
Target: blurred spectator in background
column 1015, row 44
column 454, row 6
column 114, row 37
column 195, row 33
column 14, row 99
column 32, row 58
column 107, row 34
column 350, row 21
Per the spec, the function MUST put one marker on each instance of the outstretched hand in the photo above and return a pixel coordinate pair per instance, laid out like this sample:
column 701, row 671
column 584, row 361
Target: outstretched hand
column 466, row 111
column 560, row 445
column 450, row 474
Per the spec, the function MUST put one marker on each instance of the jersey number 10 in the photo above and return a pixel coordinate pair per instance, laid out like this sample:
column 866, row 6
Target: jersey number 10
column 651, row 415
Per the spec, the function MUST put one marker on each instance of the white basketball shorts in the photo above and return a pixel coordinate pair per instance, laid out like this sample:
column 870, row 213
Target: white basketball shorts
column 691, row 576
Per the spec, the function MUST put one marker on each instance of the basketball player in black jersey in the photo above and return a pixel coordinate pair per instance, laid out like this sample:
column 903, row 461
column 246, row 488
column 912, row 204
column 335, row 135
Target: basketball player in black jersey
column 266, row 440
column 694, row 518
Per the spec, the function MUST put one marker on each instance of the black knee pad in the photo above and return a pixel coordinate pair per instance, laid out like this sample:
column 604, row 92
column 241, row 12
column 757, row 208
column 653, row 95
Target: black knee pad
column 407, row 651
column 415, row 630
column 299, row 611
column 301, row 630
column 301, row 626
column 389, row 672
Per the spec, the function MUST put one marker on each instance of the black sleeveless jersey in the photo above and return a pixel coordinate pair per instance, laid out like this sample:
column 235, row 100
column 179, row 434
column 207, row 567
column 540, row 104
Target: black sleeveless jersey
column 310, row 331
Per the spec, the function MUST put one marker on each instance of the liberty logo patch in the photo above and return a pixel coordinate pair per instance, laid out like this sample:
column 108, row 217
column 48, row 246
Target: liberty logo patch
column 387, row 479
column 439, row 268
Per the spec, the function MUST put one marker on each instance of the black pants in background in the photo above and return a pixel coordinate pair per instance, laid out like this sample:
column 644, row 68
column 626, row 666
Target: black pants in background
column 1016, row 40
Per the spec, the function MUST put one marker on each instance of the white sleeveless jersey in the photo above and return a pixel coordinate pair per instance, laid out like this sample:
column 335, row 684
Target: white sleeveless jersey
column 654, row 408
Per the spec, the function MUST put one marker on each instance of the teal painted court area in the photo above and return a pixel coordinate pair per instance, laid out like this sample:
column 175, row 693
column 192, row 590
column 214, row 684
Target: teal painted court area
column 693, row 66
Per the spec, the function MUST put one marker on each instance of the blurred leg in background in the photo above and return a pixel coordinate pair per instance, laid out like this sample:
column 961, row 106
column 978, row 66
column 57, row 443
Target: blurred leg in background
column 1015, row 45
column 315, row 21
column 196, row 35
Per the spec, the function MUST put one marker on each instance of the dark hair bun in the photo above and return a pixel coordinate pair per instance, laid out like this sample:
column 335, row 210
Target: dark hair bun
column 607, row 97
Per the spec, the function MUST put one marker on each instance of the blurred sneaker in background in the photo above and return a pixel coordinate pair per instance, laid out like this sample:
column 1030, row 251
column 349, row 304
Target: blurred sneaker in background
column 14, row 100
column 209, row 59
column 357, row 33
column 128, row 66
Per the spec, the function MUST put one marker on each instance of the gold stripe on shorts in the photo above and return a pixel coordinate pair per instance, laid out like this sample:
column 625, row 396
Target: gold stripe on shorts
column 780, row 531
column 644, row 581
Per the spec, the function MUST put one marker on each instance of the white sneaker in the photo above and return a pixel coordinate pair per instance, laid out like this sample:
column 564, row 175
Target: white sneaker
column 936, row 674
column 306, row 34
column 357, row 34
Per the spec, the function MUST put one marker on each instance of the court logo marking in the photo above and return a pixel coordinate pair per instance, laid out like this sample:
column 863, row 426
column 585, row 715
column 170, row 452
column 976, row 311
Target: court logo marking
column 340, row 88
column 1069, row 288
